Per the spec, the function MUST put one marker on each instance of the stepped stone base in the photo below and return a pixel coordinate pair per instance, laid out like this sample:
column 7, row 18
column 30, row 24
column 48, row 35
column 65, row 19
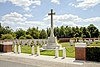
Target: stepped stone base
column 52, row 43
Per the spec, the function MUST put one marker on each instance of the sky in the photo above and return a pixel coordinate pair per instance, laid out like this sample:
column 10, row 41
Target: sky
column 34, row 13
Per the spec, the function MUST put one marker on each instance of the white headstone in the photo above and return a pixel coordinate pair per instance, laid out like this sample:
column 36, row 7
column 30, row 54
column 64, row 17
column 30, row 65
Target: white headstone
column 38, row 51
column 19, row 49
column 15, row 48
column 81, row 41
column 35, row 42
column 80, row 45
column 64, row 52
column 71, row 42
column 56, row 52
column 33, row 50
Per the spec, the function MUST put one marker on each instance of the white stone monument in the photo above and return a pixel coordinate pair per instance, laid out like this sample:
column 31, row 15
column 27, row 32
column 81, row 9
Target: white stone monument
column 52, row 40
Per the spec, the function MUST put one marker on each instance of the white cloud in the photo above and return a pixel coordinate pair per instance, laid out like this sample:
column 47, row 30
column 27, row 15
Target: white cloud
column 55, row 1
column 26, row 8
column 28, row 15
column 14, row 17
column 71, row 20
column 93, row 19
column 16, row 20
column 24, row 3
column 64, row 18
column 85, row 4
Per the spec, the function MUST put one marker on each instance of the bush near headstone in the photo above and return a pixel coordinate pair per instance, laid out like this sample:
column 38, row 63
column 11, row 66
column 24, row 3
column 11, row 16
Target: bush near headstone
column 93, row 54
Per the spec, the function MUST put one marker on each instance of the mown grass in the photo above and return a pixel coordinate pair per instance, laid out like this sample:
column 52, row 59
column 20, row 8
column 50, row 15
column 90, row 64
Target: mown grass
column 95, row 43
column 70, row 50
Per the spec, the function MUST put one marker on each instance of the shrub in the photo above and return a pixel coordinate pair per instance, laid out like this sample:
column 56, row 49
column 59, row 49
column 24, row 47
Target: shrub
column 22, row 37
column 93, row 54
column 6, row 36
column 28, row 37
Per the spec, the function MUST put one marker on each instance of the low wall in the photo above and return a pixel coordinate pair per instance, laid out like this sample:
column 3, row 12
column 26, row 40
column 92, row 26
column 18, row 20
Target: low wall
column 82, row 52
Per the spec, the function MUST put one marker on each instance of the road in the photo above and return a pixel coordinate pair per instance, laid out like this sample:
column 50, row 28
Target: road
column 14, row 64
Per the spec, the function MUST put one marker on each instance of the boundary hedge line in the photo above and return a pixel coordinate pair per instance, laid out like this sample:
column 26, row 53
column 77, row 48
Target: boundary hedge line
column 93, row 54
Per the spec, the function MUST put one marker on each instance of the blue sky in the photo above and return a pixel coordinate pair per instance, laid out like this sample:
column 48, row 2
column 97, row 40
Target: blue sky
column 28, row 13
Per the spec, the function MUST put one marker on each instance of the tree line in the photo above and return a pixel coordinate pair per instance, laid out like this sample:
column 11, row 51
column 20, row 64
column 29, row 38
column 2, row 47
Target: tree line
column 60, row 32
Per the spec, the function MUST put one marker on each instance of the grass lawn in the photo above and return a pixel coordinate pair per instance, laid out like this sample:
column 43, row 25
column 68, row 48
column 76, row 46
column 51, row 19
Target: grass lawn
column 95, row 43
column 70, row 50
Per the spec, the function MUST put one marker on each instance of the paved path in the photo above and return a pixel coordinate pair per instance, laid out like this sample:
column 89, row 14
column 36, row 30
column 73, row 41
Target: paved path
column 14, row 64
column 45, row 61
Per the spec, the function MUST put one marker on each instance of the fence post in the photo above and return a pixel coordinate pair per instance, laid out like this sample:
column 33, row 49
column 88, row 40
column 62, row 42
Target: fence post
column 64, row 52
column 33, row 50
column 38, row 51
column 15, row 48
column 56, row 52
column 19, row 49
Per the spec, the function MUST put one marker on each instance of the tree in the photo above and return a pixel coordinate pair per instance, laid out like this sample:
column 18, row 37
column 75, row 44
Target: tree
column 5, row 30
column 48, row 32
column 28, row 37
column 86, row 33
column 43, row 34
column 20, row 33
column 22, row 37
column 34, row 32
column 57, row 32
column 6, row 36
column 93, row 30
column 62, row 31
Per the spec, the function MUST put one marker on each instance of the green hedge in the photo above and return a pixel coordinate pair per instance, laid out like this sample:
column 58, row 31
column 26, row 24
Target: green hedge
column 93, row 54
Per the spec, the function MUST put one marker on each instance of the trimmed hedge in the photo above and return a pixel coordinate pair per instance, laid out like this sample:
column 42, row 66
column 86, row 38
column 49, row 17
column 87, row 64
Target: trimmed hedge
column 93, row 54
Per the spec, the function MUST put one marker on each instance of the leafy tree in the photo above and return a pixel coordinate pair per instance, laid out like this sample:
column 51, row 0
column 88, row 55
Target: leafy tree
column 34, row 32
column 5, row 30
column 6, row 36
column 28, row 37
column 93, row 30
column 22, row 37
column 20, row 33
column 86, row 33
column 62, row 31
column 43, row 34
column 48, row 32
column 57, row 31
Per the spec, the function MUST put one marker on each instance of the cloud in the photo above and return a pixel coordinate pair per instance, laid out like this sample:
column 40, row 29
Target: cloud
column 71, row 20
column 93, row 19
column 55, row 1
column 24, row 3
column 85, row 4
column 14, row 17
column 28, row 15
column 64, row 18
column 16, row 20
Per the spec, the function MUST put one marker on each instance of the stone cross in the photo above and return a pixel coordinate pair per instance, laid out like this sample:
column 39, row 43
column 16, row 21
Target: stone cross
column 52, row 32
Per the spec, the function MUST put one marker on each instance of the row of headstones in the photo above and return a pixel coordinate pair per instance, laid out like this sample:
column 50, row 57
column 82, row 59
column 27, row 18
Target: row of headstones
column 29, row 42
column 38, row 51
column 81, row 41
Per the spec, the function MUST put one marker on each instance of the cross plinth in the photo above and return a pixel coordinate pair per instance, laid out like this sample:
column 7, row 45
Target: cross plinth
column 52, row 31
column 51, row 41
